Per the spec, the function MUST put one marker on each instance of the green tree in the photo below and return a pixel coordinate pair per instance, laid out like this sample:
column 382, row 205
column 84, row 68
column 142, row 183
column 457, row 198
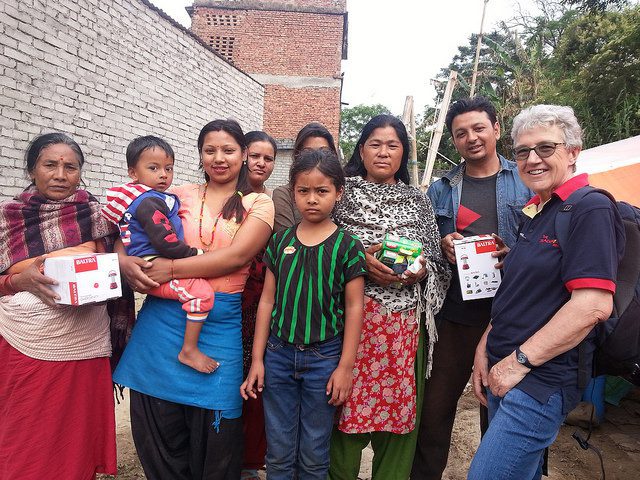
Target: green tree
column 597, row 64
column 595, row 6
column 590, row 61
column 500, row 73
column 352, row 121
column 489, row 75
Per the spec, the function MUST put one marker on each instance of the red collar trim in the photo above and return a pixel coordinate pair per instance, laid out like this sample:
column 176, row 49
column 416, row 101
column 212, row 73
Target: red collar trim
column 566, row 189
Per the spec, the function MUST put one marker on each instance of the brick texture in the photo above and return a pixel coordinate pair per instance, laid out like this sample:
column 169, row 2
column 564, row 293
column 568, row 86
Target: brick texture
column 297, row 44
column 277, row 43
column 280, row 174
column 106, row 71
column 309, row 104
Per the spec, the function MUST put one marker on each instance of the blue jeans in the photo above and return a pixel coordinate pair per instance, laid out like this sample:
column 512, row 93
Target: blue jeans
column 298, row 419
column 520, row 428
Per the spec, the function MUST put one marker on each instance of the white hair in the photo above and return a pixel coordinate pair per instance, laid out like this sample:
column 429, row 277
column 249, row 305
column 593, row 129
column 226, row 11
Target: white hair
column 549, row 116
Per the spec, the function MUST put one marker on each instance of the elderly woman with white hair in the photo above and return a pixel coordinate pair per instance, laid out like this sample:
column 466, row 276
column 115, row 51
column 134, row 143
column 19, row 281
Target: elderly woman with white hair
column 552, row 295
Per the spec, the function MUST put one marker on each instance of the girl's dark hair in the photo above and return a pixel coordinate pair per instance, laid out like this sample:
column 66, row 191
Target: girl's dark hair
column 355, row 166
column 310, row 130
column 140, row 144
column 233, row 206
column 43, row 141
column 324, row 160
column 259, row 136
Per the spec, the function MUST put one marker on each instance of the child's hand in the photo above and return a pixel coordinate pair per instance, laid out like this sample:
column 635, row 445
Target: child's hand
column 255, row 377
column 161, row 270
column 339, row 386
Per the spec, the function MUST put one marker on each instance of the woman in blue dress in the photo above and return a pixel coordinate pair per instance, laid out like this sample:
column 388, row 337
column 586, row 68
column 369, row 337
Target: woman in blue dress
column 186, row 424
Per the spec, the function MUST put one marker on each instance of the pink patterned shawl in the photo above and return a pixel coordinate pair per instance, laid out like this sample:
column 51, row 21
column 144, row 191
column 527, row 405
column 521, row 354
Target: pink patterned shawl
column 32, row 225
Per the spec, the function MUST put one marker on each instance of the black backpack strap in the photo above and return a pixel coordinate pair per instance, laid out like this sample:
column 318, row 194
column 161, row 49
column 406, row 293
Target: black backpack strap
column 585, row 373
column 562, row 222
column 563, row 217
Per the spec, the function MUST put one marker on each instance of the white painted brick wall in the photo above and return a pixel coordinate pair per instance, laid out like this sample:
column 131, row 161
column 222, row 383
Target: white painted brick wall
column 106, row 71
column 280, row 175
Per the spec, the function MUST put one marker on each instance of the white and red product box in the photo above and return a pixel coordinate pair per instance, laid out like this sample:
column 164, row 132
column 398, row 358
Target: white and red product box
column 85, row 278
column 476, row 267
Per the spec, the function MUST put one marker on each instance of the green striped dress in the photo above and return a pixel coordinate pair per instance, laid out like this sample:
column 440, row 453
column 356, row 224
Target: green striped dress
column 310, row 284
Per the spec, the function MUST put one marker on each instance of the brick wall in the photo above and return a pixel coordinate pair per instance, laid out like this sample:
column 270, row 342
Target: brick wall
column 106, row 71
column 310, row 104
column 318, row 6
column 293, row 47
column 280, row 175
column 272, row 42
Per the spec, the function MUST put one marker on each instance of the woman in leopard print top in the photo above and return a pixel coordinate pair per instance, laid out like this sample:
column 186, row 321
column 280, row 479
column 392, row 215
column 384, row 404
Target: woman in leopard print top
column 378, row 200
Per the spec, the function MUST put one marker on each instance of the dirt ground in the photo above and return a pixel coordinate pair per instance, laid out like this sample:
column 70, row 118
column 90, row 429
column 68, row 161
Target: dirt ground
column 618, row 438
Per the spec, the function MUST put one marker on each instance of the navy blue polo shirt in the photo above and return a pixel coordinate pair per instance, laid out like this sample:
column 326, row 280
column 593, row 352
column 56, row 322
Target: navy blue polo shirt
column 539, row 277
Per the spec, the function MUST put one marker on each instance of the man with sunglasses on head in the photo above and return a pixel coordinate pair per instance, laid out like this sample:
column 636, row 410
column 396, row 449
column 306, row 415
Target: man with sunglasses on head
column 482, row 195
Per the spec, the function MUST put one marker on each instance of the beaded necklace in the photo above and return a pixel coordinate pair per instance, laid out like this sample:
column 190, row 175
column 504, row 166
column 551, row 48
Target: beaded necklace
column 215, row 224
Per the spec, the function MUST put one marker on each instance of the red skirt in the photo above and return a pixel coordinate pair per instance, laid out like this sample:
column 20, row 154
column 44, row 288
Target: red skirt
column 57, row 419
column 384, row 383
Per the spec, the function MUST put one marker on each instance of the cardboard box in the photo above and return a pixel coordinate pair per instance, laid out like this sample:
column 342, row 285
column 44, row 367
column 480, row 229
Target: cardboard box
column 476, row 267
column 85, row 279
column 398, row 252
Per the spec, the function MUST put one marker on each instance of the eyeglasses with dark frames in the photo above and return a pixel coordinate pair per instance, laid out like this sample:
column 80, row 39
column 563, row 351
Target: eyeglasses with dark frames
column 543, row 150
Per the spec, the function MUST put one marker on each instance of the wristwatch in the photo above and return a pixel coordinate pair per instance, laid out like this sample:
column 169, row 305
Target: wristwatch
column 522, row 358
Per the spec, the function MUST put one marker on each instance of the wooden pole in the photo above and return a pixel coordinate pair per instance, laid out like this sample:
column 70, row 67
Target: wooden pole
column 478, row 45
column 413, row 160
column 437, row 134
column 409, row 120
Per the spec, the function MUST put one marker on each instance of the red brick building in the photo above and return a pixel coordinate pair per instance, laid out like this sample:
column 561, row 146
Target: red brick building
column 292, row 47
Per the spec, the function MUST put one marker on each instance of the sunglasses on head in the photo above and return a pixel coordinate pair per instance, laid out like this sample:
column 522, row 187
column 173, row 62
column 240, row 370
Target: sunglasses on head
column 543, row 150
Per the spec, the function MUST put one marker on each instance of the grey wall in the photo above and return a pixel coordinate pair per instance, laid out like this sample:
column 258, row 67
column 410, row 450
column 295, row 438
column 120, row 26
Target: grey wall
column 106, row 71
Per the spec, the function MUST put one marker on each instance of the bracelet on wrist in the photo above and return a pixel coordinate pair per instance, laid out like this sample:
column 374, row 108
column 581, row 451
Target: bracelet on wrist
column 6, row 286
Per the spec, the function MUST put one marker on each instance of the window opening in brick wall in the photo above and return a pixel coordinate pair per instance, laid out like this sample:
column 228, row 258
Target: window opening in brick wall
column 222, row 20
column 222, row 45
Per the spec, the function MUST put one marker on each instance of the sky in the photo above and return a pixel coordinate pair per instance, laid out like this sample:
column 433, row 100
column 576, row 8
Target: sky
column 397, row 46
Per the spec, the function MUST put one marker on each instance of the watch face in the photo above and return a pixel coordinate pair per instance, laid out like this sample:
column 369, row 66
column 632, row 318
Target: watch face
column 521, row 357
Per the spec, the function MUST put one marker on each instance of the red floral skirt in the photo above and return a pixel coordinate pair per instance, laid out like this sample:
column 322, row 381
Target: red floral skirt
column 384, row 383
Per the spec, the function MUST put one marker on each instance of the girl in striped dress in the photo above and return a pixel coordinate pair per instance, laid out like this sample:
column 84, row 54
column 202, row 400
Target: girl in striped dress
column 308, row 324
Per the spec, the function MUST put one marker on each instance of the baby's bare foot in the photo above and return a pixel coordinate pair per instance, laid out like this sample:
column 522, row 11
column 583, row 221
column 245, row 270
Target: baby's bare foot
column 198, row 361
